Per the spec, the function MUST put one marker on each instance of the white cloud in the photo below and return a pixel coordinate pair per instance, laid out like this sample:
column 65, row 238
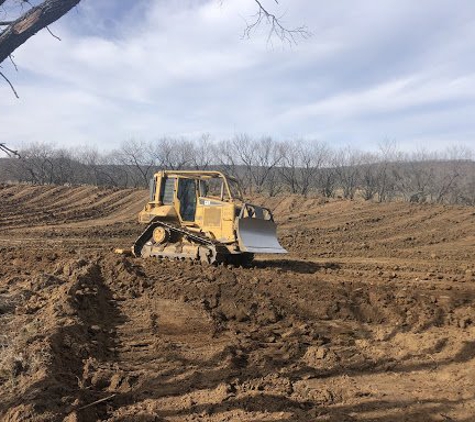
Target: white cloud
column 371, row 70
column 389, row 97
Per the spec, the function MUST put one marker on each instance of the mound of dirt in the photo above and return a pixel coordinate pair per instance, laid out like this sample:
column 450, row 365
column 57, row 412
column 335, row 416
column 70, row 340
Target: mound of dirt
column 369, row 318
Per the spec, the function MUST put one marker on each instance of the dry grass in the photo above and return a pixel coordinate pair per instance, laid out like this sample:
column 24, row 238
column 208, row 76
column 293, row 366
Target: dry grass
column 15, row 335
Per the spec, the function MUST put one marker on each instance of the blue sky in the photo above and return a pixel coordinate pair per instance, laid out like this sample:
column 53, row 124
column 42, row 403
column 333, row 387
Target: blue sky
column 399, row 70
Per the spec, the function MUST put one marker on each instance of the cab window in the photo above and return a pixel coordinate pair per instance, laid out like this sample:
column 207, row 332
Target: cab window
column 168, row 190
column 152, row 187
column 187, row 197
column 212, row 188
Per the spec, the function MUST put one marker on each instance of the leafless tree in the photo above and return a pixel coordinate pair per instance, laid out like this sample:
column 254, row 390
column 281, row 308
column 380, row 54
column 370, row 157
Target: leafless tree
column 139, row 161
column 346, row 164
column 460, row 175
column 327, row 182
column 369, row 176
column 118, row 174
column 204, row 151
column 451, row 171
column 301, row 165
column 36, row 165
column 268, row 156
column 413, row 175
column 259, row 158
column 291, row 165
column 388, row 156
column 90, row 161
column 172, row 153
column 227, row 160
column 467, row 192
column 264, row 166
column 64, row 168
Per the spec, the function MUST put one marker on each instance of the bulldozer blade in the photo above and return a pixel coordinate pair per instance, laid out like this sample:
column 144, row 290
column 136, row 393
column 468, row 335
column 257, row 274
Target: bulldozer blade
column 258, row 236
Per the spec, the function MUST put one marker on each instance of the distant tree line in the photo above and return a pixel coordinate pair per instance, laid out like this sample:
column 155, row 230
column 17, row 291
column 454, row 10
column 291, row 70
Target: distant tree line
column 263, row 166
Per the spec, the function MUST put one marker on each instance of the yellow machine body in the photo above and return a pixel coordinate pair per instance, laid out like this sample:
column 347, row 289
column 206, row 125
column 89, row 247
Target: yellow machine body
column 202, row 215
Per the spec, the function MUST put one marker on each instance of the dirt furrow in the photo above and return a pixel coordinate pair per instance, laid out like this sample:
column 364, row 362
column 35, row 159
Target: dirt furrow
column 370, row 317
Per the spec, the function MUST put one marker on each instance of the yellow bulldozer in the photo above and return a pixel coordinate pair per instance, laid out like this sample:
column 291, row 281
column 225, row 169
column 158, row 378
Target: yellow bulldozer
column 201, row 215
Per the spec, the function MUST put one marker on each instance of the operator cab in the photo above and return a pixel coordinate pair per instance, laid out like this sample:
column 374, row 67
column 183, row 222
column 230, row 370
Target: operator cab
column 189, row 190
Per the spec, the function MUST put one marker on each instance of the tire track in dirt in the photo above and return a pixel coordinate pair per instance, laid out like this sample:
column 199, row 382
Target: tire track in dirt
column 251, row 358
column 174, row 341
column 67, row 305
column 358, row 324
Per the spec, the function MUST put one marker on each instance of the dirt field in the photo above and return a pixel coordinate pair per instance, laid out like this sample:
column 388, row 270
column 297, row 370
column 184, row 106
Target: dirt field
column 369, row 318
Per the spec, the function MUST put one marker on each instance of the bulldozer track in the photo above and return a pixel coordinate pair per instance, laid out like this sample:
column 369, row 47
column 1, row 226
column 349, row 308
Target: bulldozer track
column 214, row 247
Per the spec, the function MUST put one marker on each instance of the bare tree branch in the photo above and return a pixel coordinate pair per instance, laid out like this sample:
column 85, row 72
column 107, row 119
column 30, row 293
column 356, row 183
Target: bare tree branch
column 18, row 31
column 276, row 26
column 7, row 150
column 30, row 23
column 11, row 85
column 51, row 33
column 13, row 62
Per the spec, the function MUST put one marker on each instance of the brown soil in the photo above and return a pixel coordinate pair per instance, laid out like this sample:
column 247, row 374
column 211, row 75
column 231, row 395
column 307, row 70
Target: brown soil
column 369, row 318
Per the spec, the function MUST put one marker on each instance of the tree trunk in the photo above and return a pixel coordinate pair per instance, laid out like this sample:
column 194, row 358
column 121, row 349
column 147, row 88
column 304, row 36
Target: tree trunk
column 31, row 22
